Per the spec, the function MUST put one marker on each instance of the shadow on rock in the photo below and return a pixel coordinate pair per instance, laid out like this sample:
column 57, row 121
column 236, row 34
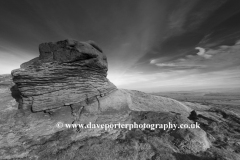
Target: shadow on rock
column 180, row 156
column 16, row 95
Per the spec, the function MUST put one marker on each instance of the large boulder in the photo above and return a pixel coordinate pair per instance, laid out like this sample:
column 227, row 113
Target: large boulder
column 65, row 73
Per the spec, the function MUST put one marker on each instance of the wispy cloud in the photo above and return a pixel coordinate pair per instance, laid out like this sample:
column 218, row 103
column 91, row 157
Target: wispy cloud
column 180, row 80
column 202, row 53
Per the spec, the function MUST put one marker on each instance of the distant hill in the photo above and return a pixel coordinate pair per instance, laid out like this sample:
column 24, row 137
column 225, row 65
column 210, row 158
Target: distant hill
column 5, row 80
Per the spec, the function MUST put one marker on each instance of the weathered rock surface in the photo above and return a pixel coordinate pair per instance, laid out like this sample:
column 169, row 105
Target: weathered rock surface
column 27, row 135
column 67, row 83
column 66, row 72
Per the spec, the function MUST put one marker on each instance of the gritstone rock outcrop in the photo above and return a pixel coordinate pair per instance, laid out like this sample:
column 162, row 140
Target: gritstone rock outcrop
column 67, row 83
column 66, row 72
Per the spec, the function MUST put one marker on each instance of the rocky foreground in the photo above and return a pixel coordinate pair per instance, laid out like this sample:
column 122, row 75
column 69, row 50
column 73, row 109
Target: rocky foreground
column 67, row 83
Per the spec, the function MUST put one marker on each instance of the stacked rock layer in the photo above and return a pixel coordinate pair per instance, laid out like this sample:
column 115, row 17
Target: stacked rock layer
column 65, row 73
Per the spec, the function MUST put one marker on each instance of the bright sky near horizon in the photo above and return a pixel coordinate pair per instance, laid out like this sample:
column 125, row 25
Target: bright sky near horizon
column 152, row 46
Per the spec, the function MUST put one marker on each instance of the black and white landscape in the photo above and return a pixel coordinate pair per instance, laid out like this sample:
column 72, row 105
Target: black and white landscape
column 119, row 61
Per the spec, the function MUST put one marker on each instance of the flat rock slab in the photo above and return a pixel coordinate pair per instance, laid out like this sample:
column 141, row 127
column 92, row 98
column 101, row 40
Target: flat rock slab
column 35, row 135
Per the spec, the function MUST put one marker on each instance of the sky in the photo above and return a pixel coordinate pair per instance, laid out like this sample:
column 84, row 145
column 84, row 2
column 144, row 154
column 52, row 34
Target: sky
column 151, row 45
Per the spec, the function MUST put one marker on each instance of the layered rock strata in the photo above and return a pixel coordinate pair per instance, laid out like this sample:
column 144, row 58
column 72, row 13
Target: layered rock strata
column 66, row 72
